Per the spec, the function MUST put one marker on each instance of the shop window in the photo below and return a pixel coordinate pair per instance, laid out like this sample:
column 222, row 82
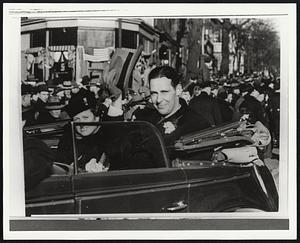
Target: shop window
column 63, row 36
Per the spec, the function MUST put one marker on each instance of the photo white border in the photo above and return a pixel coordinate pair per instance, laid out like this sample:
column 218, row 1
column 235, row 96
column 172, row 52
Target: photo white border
column 13, row 190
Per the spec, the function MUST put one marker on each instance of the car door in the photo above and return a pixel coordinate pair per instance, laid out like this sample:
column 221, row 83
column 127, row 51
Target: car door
column 131, row 191
column 54, row 195
column 217, row 185
column 140, row 179
column 226, row 188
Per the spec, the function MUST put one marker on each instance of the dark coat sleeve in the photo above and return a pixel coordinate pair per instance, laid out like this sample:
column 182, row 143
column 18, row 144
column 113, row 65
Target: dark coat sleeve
column 38, row 162
column 216, row 112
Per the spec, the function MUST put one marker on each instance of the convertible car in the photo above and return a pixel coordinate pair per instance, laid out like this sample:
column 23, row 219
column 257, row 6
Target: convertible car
column 215, row 170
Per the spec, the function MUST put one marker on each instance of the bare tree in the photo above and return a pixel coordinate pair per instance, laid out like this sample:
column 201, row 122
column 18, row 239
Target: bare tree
column 194, row 39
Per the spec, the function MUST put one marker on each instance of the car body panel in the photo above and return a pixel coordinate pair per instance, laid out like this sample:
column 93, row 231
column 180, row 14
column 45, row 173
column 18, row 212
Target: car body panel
column 132, row 191
column 53, row 195
column 224, row 189
column 192, row 182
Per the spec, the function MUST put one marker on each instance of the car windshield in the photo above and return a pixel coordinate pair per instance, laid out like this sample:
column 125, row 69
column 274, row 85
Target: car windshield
column 118, row 146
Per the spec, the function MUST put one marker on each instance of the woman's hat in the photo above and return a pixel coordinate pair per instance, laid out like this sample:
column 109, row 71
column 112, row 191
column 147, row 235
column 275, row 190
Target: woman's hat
column 54, row 103
column 85, row 80
column 26, row 89
column 79, row 104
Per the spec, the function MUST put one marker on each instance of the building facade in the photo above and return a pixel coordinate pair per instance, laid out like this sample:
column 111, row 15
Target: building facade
column 70, row 48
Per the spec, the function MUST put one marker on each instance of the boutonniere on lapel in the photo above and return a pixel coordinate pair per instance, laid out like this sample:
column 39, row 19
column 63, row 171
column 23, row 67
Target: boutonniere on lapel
column 169, row 127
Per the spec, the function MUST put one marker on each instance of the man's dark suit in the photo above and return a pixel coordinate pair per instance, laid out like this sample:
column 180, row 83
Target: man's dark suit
column 207, row 107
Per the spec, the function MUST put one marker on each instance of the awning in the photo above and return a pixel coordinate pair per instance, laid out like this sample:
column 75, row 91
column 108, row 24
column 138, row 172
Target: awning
column 51, row 48
column 34, row 50
column 62, row 48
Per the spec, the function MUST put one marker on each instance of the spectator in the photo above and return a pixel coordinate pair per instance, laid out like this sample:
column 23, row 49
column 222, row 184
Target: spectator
column 225, row 108
column 53, row 111
column 206, row 106
column 39, row 99
column 27, row 107
column 251, row 105
column 38, row 158
column 94, row 87
column 89, row 147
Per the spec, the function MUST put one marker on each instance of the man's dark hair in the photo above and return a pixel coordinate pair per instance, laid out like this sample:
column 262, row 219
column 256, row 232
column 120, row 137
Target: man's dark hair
column 165, row 71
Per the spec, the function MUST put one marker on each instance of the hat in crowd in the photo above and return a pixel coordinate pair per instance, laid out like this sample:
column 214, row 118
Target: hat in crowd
column 95, row 82
column 79, row 104
column 221, row 90
column 42, row 87
column 204, row 84
column 67, row 85
column 246, row 88
column 207, row 59
column 54, row 103
column 26, row 89
column 214, row 84
column 85, row 80
column 58, row 90
column 235, row 83
column 222, row 93
column 75, row 85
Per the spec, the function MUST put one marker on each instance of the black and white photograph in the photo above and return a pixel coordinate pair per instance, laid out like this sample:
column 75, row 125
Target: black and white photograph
column 119, row 115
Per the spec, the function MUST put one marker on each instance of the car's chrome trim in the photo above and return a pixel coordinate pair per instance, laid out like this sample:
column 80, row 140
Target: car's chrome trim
column 208, row 181
column 131, row 191
column 49, row 203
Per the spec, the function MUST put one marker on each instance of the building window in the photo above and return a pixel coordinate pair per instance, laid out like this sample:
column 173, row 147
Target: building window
column 63, row 36
column 129, row 38
column 38, row 38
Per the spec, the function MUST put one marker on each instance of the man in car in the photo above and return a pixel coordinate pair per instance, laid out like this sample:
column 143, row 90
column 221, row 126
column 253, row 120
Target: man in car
column 172, row 116
column 90, row 148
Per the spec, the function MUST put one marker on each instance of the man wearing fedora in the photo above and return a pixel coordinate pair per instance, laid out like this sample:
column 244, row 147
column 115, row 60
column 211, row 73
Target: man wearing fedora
column 53, row 112
column 43, row 95
column 251, row 105
column 27, row 107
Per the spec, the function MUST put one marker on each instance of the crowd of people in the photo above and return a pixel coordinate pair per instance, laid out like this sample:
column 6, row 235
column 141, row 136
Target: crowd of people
column 175, row 109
